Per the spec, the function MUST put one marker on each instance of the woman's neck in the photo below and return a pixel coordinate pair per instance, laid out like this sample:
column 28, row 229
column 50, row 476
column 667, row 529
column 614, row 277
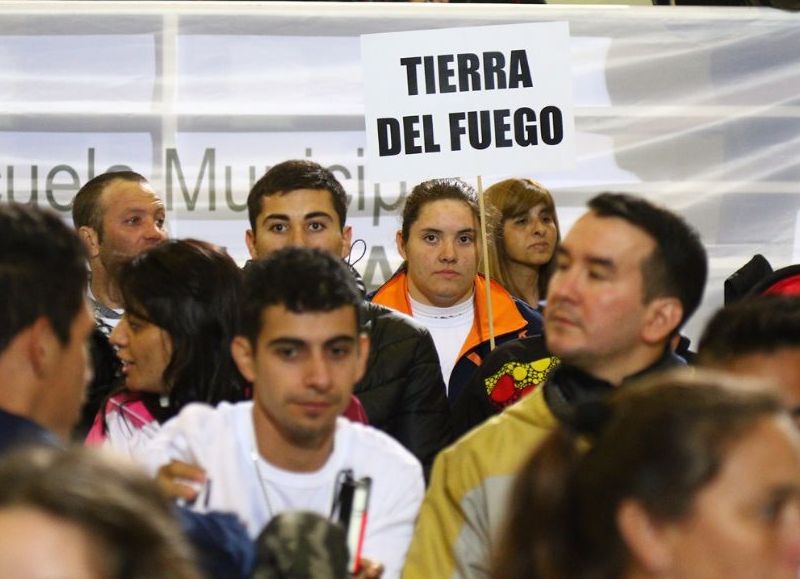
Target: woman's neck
column 526, row 281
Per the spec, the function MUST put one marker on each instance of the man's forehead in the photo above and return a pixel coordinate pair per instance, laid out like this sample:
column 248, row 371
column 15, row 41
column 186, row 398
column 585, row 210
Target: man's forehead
column 299, row 201
column 279, row 320
column 122, row 194
column 607, row 237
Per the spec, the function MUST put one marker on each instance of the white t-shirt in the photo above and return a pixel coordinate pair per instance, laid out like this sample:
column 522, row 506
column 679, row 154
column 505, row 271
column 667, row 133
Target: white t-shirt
column 222, row 441
column 449, row 328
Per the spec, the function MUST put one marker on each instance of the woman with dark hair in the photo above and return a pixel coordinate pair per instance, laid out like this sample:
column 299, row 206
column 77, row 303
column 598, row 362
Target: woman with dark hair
column 181, row 313
column 692, row 476
column 525, row 233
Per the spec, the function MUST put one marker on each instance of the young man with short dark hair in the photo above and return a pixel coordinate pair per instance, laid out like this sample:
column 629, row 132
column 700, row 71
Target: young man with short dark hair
column 302, row 347
column 299, row 203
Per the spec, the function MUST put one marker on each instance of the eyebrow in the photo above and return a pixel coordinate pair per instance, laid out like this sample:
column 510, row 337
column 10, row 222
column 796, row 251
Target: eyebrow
column 460, row 231
column 300, row 343
column 605, row 262
column 312, row 215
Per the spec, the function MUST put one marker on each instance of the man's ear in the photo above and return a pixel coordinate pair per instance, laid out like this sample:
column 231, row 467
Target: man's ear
column 347, row 240
column 90, row 240
column 662, row 316
column 43, row 347
column 250, row 240
column 646, row 539
column 243, row 355
column 401, row 244
column 363, row 354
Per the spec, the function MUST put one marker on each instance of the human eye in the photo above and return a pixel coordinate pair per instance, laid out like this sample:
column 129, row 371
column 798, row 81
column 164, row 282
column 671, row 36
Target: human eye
column 287, row 352
column 562, row 262
column 546, row 218
column 316, row 226
column 520, row 220
column 430, row 238
column 339, row 351
column 466, row 239
column 598, row 273
column 133, row 220
column 134, row 324
column 278, row 228
column 160, row 221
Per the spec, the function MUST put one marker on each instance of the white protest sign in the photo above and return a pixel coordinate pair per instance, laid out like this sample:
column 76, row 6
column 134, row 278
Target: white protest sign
column 468, row 101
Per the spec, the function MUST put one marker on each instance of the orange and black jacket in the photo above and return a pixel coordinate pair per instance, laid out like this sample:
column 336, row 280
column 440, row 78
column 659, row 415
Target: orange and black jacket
column 512, row 319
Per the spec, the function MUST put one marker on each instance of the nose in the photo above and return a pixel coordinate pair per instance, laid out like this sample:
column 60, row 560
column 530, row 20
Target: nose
column 447, row 251
column 119, row 335
column 563, row 285
column 538, row 226
column 317, row 373
column 155, row 232
column 297, row 237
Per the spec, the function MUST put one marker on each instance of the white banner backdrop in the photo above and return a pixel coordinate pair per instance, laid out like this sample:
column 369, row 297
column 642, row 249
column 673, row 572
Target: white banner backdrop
column 696, row 108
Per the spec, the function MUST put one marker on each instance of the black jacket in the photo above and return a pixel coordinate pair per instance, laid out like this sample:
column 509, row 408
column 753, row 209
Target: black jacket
column 402, row 390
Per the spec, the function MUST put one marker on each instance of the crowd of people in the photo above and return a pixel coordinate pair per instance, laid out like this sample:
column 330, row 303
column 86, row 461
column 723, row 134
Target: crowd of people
column 165, row 413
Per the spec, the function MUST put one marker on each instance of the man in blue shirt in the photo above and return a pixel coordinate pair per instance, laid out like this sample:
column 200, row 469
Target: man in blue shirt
column 45, row 324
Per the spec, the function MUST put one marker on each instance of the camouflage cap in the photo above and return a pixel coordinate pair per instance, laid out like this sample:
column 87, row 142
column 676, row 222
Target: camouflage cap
column 301, row 545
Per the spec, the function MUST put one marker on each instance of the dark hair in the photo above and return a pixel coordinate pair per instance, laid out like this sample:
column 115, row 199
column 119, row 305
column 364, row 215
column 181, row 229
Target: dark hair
column 121, row 510
column 753, row 325
column 42, row 272
column 290, row 176
column 86, row 207
column 663, row 441
column 678, row 266
column 192, row 291
column 300, row 279
column 437, row 190
column 506, row 200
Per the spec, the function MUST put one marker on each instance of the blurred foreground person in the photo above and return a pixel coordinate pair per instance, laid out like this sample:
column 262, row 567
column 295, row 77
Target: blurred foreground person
column 45, row 325
column 691, row 476
column 74, row 513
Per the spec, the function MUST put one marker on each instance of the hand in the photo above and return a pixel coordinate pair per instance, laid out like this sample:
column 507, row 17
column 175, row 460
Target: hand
column 175, row 480
column 369, row 570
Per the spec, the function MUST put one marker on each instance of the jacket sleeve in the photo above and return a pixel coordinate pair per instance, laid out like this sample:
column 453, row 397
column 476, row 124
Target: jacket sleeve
column 451, row 540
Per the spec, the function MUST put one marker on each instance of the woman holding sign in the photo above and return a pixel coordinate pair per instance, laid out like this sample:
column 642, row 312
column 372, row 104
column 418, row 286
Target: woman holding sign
column 439, row 285
column 525, row 234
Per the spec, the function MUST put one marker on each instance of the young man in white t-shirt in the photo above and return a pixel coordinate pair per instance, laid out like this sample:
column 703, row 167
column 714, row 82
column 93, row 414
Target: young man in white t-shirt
column 302, row 348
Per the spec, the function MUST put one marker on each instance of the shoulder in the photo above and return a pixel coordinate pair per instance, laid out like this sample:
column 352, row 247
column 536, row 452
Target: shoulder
column 388, row 323
column 531, row 315
column 202, row 417
column 368, row 443
column 499, row 445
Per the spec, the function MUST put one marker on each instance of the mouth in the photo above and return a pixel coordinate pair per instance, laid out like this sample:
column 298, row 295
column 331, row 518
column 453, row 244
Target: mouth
column 126, row 365
column 540, row 246
column 315, row 408
column 448, row 273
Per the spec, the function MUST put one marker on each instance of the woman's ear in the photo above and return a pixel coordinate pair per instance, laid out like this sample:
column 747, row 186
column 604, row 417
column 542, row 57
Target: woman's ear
column 401, row 245
column 646, row 539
